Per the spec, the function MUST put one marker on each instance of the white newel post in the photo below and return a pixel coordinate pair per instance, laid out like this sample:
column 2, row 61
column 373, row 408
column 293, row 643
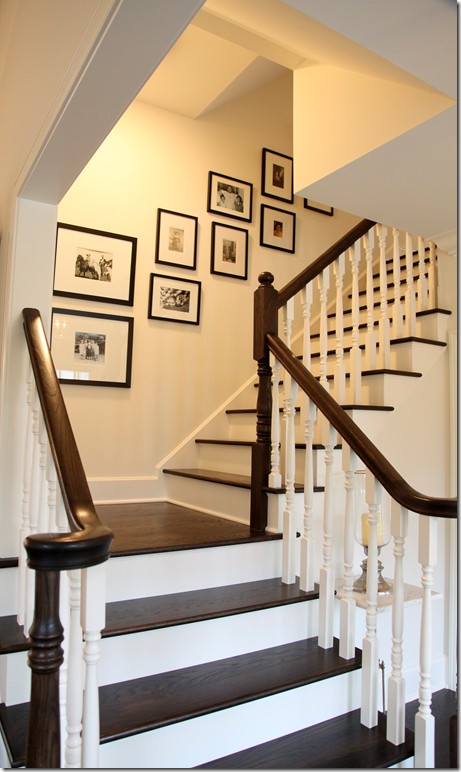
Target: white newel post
column 355, row 356
column 327, row 573
column 370, row 644
column 396, row 681
column 93, row 621
column 370, row 340
column 347, row 604
column 340, row 372
column 397, row 311
column 384, row 337
column 275, row 478
column 410, row 306
column 424, row 720
column 422, row 281
column 289, row 514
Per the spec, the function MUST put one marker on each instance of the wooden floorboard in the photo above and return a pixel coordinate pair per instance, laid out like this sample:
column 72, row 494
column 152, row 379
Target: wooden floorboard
column 151, row 613
column 163, row 527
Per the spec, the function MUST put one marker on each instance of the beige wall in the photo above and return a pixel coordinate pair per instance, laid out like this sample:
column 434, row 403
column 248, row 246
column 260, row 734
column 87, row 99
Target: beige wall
column 181, row 373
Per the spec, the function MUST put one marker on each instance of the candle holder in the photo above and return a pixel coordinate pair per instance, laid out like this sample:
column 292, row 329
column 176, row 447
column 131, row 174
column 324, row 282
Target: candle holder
column 361, row 535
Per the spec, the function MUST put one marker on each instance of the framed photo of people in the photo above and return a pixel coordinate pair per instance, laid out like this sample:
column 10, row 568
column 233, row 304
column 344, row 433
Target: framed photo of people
column 277, row 176
column 229, row 251
column 229, row 197
column 94, row 265
column 176, row 242
column 92, row 349
column 174, row 299
column 277, row 228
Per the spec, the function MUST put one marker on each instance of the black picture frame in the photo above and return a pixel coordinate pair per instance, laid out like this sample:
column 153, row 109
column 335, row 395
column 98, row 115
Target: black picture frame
column 94, row 265
column 229, row 251
column 92, row 349
column 315, row 206
column 277, row 176
column 229, row 197
column 277, row 229
column 174, row 299
column 176, row 240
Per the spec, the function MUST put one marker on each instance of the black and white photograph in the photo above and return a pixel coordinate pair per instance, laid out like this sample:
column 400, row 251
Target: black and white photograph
column 229, row 251
column 94, row 265
column 174, row 299
column 277, row 228
column 277, row 176
column 229, row 197
column 176, row 242
column 91, row 349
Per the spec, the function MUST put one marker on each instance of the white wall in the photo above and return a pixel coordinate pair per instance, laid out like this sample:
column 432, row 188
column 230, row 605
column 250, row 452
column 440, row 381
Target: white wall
column 181, row 373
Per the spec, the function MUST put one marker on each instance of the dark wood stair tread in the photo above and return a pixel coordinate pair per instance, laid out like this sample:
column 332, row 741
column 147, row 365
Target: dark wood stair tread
column 339, row 743
column 151, row 613
column 228, row 478
column 12, row 638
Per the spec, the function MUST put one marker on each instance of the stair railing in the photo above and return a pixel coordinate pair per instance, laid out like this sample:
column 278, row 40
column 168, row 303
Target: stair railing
column 358, row 452
column 60, row 532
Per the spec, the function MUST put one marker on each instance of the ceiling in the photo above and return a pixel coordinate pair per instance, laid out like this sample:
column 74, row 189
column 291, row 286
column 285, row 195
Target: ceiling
column 232, row 48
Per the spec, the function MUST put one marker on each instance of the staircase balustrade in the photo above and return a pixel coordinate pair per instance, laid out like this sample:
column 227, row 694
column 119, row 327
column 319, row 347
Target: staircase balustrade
column 364, row 246
column 63, row 548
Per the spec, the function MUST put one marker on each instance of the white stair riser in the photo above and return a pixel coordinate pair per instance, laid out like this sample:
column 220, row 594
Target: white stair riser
column 9, row 591
column 235, row 459
column 190, row 743
column 215, row 498
column 141, row 576
column 14, row 678
column 415, row 356
column 387, row 389
column 126, row 657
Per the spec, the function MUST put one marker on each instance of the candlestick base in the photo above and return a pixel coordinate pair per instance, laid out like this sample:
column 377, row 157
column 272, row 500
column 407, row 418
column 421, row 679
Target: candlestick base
column 360, row 584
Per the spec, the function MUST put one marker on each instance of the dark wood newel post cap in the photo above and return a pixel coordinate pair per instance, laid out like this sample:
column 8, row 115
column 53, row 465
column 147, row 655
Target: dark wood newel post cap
column 266, row 277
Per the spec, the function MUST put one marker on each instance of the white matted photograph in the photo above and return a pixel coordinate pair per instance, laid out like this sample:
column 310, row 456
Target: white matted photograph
column 229, row 197
column 229, row 251
column 277, row 229
column 92, row 349
column 176, row 242
column 174, row 299
column 277, row 175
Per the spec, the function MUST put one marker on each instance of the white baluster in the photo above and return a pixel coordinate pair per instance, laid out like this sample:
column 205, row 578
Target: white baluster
column 306, row 302
column 43, row 522
column 275, row 478
column 370, row 659
column 424, row 720
column 347, row 604
column 384, row 336
column 306, row 580
column 432, row 276
column 52, row 491
column 74, row 707
column 410, row 306
column 323, row 286
column 397, row 311
column 355, row 355
column 327, row 573
column 93, row 621
column 396, row 681
column 370, row 340
column 289, row 515
column 422, row 281
column 340, row 373
column 25, row 508
column 34, row 506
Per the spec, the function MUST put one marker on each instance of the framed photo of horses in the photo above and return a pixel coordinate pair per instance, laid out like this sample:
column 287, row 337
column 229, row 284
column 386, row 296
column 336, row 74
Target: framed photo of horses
column 94, row 265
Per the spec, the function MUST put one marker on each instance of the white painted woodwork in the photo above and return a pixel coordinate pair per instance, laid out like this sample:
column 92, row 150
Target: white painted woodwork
column 289, row 515
column 432, row 275
column 340, row 370
column 93, row 612
column 74, row 702
column 384, row 336
column 327, row 572
column 323, row 287
column 307, row 546
column 396, row 680
column 355, row 354
column 24, row 528
column 275, row 478
column 422, row 280
column 410, row 303
column 347, row 604
column 397, row 310
column 424, row 720
column 370, row 341
column 370, row 648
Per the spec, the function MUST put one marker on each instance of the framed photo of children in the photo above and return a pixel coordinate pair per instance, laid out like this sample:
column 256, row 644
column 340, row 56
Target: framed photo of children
column 174, row 299
column 176, row 242
column 229, row 251
column 92, row 349
column 229, row 197
column 94, row 265
column 278, row 229
column 277, row 176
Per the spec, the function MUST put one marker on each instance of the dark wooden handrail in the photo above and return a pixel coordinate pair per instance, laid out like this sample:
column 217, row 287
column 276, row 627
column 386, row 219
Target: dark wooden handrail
column 314, row 269
column 373, row 459
column 89, row 541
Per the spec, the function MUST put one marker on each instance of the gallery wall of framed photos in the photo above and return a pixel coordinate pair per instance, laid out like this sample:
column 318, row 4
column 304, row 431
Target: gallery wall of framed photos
column 158, row 179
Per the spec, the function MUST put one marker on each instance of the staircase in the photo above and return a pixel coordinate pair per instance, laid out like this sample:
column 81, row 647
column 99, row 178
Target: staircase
column 207, row 659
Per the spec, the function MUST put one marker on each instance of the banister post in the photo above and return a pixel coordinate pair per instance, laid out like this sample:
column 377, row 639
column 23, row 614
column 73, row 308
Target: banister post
column 265, row 320
column 45, row 659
